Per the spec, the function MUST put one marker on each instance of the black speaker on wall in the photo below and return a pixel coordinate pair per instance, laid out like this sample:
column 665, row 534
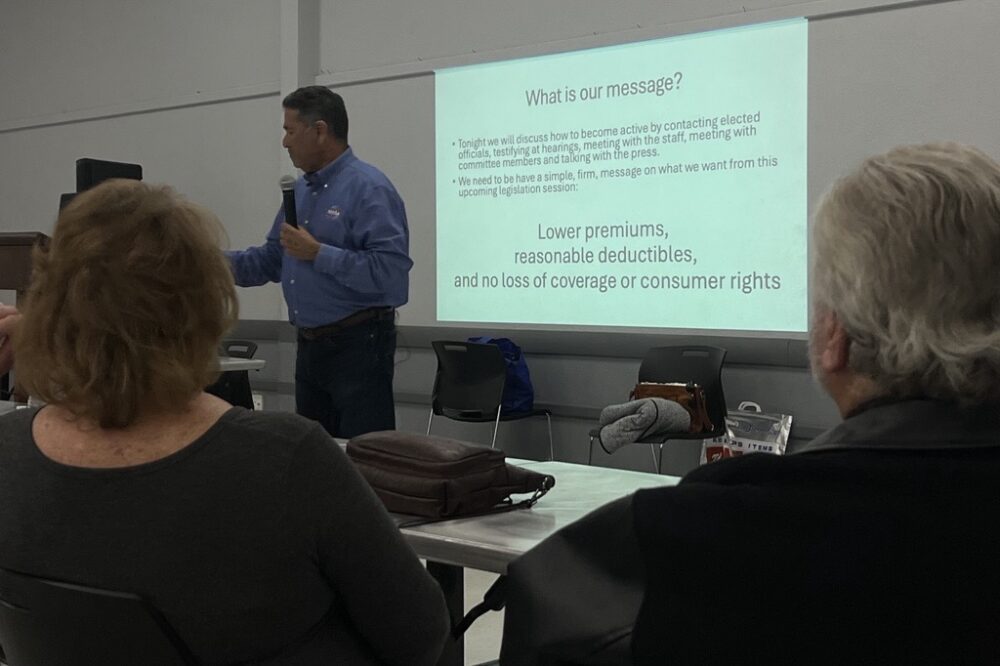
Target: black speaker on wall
column 90, row 172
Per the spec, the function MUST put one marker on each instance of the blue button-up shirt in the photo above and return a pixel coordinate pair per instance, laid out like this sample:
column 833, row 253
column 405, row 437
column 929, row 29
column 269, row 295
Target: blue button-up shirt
column 353, row 210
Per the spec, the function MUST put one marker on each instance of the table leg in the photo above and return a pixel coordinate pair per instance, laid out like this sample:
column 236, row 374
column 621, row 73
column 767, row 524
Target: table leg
column 452, row 581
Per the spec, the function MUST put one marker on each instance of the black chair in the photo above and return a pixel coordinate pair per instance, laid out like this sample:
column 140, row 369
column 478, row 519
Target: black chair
column 45, row 622
column 234, row 386
column 699, row 364
column 469, row 386
column 238, row 348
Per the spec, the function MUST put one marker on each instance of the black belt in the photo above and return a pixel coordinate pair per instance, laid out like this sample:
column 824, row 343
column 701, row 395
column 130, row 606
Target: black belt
column 361, row 316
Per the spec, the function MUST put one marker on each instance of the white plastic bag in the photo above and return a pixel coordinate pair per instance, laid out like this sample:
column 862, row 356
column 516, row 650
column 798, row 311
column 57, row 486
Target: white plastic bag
column 748, row 430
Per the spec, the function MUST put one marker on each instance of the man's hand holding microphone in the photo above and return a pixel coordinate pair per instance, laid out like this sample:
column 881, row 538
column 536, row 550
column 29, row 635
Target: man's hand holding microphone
column 297, row 242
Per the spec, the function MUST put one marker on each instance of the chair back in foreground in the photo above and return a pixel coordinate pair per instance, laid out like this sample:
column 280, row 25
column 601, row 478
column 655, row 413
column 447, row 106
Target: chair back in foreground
column 697, row 364
column 234, row 386
column 468, row 386
column 45, row 622
column 238, row 348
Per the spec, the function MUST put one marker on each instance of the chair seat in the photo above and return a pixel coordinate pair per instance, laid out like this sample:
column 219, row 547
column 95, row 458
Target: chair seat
column 513, row 416
column 476, row 416
column 658, row 438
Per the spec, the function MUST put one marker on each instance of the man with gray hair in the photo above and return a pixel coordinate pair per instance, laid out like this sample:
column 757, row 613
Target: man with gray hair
column 874, row 543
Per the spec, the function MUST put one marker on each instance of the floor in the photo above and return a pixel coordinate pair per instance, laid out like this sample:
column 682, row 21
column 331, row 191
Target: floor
column 482, row 640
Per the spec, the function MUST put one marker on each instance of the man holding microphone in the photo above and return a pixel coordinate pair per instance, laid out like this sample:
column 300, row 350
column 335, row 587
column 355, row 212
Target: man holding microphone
column 343, row 269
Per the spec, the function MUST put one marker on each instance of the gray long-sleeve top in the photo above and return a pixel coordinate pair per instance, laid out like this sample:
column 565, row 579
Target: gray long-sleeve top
column 258, row 541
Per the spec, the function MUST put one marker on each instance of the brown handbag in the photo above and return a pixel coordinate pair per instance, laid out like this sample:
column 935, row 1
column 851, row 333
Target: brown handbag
column 440, row 478
column 689, row 396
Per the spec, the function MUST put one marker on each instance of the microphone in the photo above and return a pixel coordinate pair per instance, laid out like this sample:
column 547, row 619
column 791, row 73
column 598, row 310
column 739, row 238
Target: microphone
column 288, row 199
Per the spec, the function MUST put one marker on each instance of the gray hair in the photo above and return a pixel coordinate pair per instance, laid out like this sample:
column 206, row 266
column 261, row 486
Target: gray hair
column 905, row 253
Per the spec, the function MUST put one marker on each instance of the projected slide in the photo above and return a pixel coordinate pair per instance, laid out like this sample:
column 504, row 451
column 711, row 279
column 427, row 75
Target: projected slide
column 656, row 184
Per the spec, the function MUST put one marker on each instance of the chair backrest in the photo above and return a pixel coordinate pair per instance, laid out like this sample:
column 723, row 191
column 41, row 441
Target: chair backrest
column 700, row 364
column 469, row 382
column 46, row 622
column 239, row 348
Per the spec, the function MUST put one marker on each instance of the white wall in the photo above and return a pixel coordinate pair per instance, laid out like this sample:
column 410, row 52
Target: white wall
column 435, row 30
column 926, row 73
column 63, row 56
column 187, row 89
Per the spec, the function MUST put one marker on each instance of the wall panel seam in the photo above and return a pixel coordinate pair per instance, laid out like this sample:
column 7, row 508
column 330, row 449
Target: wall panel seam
column 200, row 98
column 817, row 10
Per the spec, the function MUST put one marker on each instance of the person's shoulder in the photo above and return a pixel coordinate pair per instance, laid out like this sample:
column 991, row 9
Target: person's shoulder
column 782, row 472
column 715, row 492
column 17, row 416
column 286, row 423
column 368, row 174
column 15, row 425
column 281, row 433
column 759, row 468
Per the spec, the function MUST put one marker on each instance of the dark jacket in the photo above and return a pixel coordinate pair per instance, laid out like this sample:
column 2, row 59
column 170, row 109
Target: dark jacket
column 874, row 544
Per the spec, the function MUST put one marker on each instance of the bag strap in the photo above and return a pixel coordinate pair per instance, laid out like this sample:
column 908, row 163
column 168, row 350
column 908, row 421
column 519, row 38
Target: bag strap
column 493, row 600
column 506, row 505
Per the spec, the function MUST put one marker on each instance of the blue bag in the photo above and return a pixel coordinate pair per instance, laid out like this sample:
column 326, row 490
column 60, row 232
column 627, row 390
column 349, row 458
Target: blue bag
column 518, row 393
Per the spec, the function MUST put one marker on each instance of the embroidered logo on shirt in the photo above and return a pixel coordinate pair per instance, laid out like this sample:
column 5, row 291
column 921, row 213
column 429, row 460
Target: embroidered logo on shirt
column 333, row 212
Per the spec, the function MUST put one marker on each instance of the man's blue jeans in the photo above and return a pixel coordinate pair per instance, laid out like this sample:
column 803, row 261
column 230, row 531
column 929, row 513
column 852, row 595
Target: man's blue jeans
column 344, row 380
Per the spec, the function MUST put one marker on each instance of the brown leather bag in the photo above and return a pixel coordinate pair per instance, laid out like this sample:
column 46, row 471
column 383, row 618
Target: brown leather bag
column 689, row 396
column 439, row 478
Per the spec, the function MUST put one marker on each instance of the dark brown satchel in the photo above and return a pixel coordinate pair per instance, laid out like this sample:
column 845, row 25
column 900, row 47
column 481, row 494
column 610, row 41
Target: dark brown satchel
column 689, row 396
column 439, row 478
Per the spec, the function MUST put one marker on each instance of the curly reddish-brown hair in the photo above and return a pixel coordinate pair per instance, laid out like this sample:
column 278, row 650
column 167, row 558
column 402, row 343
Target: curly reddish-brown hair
column 127, row 305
